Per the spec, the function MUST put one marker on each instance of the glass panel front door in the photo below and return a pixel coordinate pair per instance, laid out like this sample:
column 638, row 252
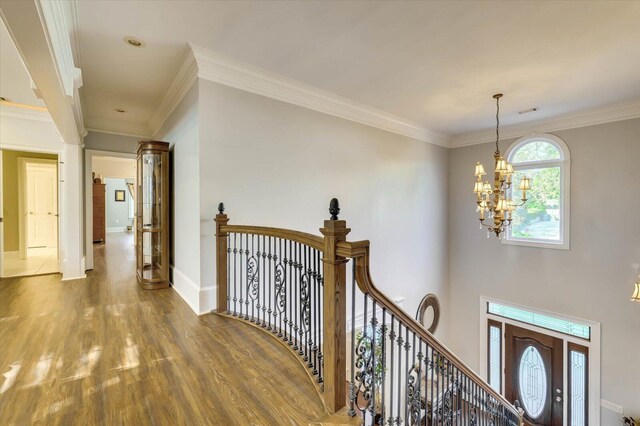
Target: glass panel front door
column 533, row 375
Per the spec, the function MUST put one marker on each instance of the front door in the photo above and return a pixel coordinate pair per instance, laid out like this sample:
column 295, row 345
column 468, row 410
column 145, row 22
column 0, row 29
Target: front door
column 533, row 375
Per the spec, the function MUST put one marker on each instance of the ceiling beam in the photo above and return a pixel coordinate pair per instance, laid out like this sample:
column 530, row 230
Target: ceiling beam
column 38, row 33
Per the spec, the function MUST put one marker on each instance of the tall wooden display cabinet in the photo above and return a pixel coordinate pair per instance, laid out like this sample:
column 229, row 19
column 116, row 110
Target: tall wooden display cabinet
column 152, row 215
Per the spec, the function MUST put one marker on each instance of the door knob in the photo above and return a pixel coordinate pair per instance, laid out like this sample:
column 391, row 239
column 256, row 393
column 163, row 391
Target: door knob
column 558, row 399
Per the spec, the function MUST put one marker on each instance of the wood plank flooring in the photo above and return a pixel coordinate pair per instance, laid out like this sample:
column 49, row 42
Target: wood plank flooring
column 102, row 351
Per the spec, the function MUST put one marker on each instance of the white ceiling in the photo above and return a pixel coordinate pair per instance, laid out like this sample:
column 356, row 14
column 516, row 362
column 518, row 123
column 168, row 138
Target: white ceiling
column 435, row 63
column 15, row 83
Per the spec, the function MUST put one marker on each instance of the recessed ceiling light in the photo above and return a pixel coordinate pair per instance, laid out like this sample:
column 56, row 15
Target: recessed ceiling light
column 132, row 41
column 120, row 110
column 2, row 98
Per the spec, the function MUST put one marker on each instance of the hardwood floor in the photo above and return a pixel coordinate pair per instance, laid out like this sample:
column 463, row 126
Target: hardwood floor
column 103, row 351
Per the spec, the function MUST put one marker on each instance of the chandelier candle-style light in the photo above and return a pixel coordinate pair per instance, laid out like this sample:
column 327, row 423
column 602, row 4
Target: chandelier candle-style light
column 636, row 293
column 494, row 201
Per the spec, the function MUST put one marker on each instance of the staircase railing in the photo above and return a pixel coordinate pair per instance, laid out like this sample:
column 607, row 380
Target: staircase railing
column 297, row 287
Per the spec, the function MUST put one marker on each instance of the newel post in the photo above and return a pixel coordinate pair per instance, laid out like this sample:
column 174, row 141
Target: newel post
column 335, row 311
column 221, row 260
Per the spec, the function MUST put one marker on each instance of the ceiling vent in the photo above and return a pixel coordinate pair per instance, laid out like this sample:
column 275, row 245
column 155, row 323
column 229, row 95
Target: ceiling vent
column 527, row 111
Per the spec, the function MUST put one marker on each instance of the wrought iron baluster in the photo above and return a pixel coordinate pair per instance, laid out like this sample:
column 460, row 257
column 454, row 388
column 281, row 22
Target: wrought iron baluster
column 352, row 385
column 314, row 292
column 363, row 360
column 273, row 259
column 228, row 272
column 400, row 342
column 302, row 307
column 458, row 397
column 321, row 309
column 384, row 365
column 418, row 398
column 307, row 301
column 235, row 283
column 246, row 265
column 263, row 281
column 392, row 339
column 281, row 278
column 241, row 300
column 374, row 331
column 297, row 297
column 433, row 380
column 407, row 370
column 291, row 292
column 253, row 281
column 266, row 289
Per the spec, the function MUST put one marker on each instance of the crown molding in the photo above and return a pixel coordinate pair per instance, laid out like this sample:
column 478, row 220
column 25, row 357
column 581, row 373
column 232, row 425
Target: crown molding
column 60, row 22
column 184, row 77
column 233, row 73
column 585, row 118
column 25, row 112
column 117, row 127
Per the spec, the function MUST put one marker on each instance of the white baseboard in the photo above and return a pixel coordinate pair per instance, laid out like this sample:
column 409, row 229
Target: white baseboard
column 117, row 229
column 12, row 255
column 186, row 288
column 200, row 300
column 67, row 278
column 208, row 299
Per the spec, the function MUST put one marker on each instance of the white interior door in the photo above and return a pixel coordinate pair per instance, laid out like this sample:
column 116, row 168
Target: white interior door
column 41, row 205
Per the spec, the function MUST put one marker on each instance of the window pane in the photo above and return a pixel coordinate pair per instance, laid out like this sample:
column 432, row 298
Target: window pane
column 532, row 382
column 539, row 218
column 544, row 321
column 495, row 358
column 536, row 151
column 578, row 387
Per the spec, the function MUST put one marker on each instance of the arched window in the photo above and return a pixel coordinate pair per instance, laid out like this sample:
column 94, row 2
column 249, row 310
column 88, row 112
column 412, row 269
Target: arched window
column 544, row 220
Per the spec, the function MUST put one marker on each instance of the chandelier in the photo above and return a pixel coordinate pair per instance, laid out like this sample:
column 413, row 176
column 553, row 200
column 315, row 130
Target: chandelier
column 494, row 201
column 636, row 293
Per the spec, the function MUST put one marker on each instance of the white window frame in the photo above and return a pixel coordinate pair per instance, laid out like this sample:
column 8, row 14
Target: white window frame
column 594, row 346
column 565, row 182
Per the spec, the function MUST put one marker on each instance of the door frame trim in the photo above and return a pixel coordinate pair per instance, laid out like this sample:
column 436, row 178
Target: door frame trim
column 23, row 162
column 594, row 346
column 88, row 197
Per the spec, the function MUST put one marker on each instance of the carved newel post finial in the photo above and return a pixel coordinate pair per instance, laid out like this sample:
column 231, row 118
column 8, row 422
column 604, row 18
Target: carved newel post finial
column 334, row 208
column 221, row 208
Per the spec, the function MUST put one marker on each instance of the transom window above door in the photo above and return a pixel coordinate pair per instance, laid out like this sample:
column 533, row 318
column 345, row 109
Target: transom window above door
column 543, row 221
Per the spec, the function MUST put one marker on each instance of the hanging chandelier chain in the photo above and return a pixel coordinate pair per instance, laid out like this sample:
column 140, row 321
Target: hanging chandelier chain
column 497, row 124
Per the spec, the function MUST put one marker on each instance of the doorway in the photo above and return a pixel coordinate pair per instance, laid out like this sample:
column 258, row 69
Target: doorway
column 548, row 362
column 534, row 375
column 30, row 214
column 109, row 199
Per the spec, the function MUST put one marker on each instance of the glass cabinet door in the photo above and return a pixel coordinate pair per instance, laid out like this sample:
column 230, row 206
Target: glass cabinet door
column 151, row 253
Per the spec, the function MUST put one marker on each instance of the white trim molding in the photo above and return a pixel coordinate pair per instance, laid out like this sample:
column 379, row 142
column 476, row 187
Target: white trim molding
column 118, row 127
column 564, row 163
column 58, row 17
column 233, row 73
column 198, row 62
column 25, row 112
column 184, row 77
column 201, row 300
column 590, row 117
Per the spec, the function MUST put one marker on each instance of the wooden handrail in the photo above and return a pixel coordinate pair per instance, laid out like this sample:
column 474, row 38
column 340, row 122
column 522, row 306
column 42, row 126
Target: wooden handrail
column 359, row 251
column 310, row 240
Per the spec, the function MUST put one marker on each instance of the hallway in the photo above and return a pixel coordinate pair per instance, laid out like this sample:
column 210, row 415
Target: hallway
column 103, row 351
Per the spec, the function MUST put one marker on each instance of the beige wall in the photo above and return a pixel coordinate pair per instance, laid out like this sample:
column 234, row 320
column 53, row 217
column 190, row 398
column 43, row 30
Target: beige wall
column 10, row 194
column 276, row 164
column 593, row 280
